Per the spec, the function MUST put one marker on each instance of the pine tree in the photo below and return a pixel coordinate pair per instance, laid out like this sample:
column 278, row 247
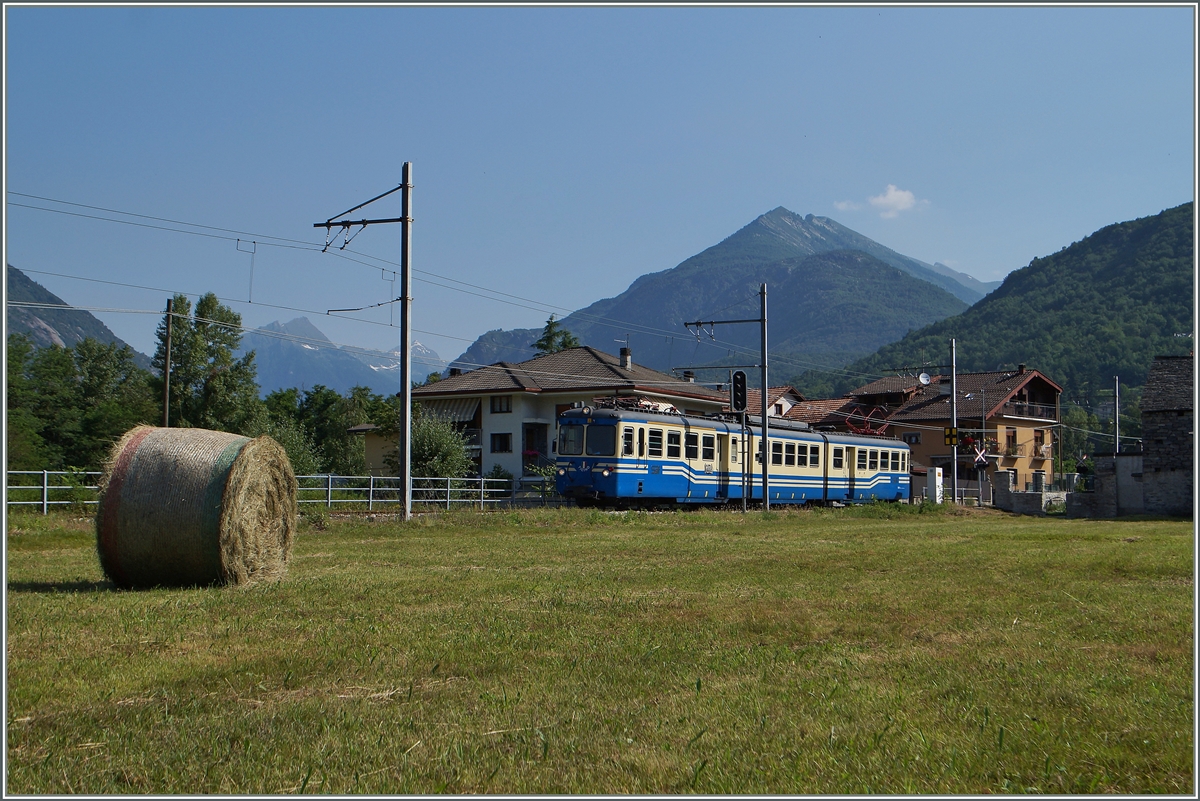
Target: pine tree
column 555, row 338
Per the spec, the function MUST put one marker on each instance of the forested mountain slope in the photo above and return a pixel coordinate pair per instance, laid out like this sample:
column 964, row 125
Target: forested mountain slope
column 1102, row 307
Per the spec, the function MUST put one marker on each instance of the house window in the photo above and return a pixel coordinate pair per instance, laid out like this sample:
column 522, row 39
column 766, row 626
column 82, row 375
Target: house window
column 1039, row 436
column 627, row 442
column 710, row 448
column 656, row 442
column 779, row 410
column 913, row 438
column 838, row 458
column 776, row 453
column 692, row 445
column 672, row 444
column 1010, row 439
column 814, row 456
column 501, row 443
column 789, row 453
column 501, row 404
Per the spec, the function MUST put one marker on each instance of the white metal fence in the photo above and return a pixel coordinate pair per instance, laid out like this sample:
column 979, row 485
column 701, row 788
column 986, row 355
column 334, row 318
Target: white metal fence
column 47, row 488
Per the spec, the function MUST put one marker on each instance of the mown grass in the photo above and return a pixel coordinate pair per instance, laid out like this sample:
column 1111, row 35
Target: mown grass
column 875, row 650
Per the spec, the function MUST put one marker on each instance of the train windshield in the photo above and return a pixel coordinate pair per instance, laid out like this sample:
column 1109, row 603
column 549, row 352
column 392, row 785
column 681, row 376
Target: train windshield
column 601, row 440
column 570, row 440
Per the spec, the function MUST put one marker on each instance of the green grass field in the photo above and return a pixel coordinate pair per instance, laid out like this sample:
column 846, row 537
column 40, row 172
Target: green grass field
column 565, row 651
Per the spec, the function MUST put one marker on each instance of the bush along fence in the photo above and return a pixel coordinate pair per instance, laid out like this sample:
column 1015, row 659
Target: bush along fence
column 48, row 488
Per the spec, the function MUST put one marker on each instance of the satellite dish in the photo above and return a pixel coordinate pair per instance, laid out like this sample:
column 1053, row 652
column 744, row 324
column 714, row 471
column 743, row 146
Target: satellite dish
column 924, row 378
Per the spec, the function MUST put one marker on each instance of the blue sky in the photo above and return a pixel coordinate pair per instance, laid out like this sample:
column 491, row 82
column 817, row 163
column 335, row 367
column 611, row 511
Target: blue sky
column 559, row 153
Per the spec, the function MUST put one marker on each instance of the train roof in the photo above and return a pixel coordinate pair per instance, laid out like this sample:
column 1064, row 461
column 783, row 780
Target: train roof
column 727, row 421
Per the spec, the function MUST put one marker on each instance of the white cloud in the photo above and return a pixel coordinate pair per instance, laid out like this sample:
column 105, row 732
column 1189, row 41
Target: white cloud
column 893, row 201
column 846, row 205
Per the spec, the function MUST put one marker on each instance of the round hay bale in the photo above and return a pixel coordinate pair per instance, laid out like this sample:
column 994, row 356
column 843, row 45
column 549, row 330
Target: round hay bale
column 187, row 506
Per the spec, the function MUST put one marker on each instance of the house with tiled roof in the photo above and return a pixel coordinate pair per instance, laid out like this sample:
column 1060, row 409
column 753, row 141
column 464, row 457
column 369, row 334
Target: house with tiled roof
column 1008, row 415
column 509, row 411
column 1167, row 433
column 779, row 400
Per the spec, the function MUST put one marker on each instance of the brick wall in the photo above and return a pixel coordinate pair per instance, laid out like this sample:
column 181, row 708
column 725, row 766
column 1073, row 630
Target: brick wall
column 1167, row 462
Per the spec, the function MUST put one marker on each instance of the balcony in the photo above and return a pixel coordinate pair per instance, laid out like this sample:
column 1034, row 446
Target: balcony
column 1039, row 411
column 1013, row 451
column 1042, row 452
column 472, row 437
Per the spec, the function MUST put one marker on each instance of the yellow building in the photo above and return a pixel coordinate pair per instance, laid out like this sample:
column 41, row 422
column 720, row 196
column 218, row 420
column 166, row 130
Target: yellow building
column 1006, row 421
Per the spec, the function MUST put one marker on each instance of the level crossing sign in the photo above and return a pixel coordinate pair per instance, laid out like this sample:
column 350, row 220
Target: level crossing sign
column 980, row 455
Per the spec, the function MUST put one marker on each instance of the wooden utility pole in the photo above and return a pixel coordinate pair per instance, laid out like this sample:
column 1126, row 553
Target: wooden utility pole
column 167, row 371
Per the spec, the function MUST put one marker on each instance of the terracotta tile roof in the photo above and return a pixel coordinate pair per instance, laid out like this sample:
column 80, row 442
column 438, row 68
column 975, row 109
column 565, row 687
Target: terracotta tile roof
column 832, row 411
column 974, row 389
column 1170, row 385
column 571, row 370
column 754, row 396
column 890, row 384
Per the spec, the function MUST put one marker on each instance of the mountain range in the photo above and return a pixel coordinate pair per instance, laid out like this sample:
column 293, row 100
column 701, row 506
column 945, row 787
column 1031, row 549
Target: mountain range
column 47, row 326
column 836, row 295
column 291, row 354
column 297, row 354
column 1104, row 306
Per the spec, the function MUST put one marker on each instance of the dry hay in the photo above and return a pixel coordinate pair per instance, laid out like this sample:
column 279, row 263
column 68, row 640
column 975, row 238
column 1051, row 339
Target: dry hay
column 187, row 506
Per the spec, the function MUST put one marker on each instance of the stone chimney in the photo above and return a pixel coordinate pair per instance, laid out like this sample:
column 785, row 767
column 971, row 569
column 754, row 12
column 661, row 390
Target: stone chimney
column 1020, row 369
column 689, row 376
column 627, row 358
column 453, row 372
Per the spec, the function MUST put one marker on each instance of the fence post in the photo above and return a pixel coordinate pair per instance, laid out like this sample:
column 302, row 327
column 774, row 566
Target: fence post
column 329, row 490
column 45, row 492
column 481, row 480
column 447, row 493
column 370, row 493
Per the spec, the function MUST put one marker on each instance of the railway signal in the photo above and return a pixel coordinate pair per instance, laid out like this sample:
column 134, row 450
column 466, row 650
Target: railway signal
column 951, row 435
column 739, row 391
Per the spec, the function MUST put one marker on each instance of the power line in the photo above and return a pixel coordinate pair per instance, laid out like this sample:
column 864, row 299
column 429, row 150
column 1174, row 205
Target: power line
column 540, row 306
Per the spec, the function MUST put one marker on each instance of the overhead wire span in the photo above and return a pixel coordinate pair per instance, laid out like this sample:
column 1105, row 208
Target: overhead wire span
column 317, row 248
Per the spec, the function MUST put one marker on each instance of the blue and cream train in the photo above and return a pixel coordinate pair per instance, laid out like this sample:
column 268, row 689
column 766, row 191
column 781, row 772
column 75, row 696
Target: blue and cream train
column 633, row 458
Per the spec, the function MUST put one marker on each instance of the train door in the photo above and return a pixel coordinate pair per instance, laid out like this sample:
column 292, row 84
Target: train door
column 723, row 465
column 851, row 463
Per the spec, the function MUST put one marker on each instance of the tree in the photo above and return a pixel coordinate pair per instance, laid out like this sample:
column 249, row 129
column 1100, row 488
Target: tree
column 438, row 448
column 209, row 388
column 555, row 338
column 114, row 396
column 22, row 428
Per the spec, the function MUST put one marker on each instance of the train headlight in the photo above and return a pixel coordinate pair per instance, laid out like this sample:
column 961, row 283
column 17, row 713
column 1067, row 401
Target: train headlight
column 605, row 472
column 562, row 471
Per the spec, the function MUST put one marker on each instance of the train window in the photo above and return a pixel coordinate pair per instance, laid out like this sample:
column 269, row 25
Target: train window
column 789, row 453
column 601, row 441
column 862, row 459
column 896, row 460
column 656, row 442
column 627, row 442
column 776, row 453
column 641, row 442
column 734, row 453
column 710, row 448
column 672, row 444
column 570, row 441
column 802, row 455
column 838, row 459
column 814, row 456
column 691, row 445
column 873, row 460
column 883, row 460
